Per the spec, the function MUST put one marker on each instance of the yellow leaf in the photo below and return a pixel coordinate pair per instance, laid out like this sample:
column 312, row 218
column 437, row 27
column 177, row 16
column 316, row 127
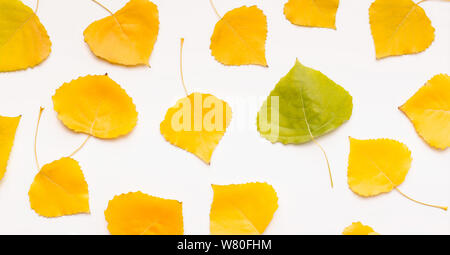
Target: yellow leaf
column 239, row 38
column 196, row 124
column 95, row 105
column 377, row 166
column 59, row 189
column 8, row 126
column 312, row 13
column 429, row 111
column 359, row 229
column 242, row 209
column 136, row 213
column 399, row 27
column 126, row 37
column 24, row 42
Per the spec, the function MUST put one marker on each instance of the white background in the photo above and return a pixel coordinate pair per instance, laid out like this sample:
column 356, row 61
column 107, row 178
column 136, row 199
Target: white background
column 144, row 161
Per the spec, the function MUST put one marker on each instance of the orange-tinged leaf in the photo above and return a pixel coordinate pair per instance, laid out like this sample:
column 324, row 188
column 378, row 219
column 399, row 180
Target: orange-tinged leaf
column 59, row 189
column 357, row 228
column 8, row 126
column 429, row 111
column 312, row 13
column 242, row 209
column 239, row 38
column 399, row 27
column 196, row 124
column 136, row 213
column 377, row 166
column 126, row 37
column 24, row 42
column 95, row 105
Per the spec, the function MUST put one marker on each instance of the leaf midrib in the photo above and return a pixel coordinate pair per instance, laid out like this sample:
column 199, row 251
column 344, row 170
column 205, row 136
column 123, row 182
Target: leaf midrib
column 437, row 110
column 245, row 216
column 57, row 184
column 121, row 28
column 17, row 30
column 397, row 28
column 379, row 169
column 317, row 6
column 241, row 38
column 304, row 113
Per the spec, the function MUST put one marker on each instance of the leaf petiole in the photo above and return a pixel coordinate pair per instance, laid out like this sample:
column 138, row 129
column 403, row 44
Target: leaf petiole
column 427, row 0
column 422, row 203
column 326, row 158
column 35, row 138
column 104, row 7
column 181, row 66
column 80, row 147
column 214, row 8
column 314, row 140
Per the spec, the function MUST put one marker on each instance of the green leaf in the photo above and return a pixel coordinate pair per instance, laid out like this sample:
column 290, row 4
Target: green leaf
column 308, row 104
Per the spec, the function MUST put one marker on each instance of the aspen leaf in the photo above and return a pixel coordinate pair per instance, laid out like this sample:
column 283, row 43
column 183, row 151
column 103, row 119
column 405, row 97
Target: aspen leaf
column 399, row 27
column 378, row 166
column 312, row 13
column 8, row 126
column 429, row 111
column 307, row 104
column 59, row 189
column 95, row 105
column 357, row 228
column 136, row 213
column 24, row 42
column 242, row 209
column 239, row 37
column 126, row 37
column 196, row 124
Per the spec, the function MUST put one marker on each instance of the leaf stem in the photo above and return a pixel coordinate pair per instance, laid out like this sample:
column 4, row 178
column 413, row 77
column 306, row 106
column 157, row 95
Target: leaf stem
column 37, row 7
column 101, row 5
column 314, row 140
column 214, row 8
column 35, row 138
column 428, row 0
column 80, row 147
column 181, row 66
column 435, row 206
column 326, row 158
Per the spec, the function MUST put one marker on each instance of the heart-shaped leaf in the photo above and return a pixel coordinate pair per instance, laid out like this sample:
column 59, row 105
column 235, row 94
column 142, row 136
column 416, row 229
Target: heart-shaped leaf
column 399, row 27
column 59, row 189
column 95, row 105
column 136, row 213
column 242, row 209
column 126, row 37
column 196, row 124
column 239, row 37
column 24, row 42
